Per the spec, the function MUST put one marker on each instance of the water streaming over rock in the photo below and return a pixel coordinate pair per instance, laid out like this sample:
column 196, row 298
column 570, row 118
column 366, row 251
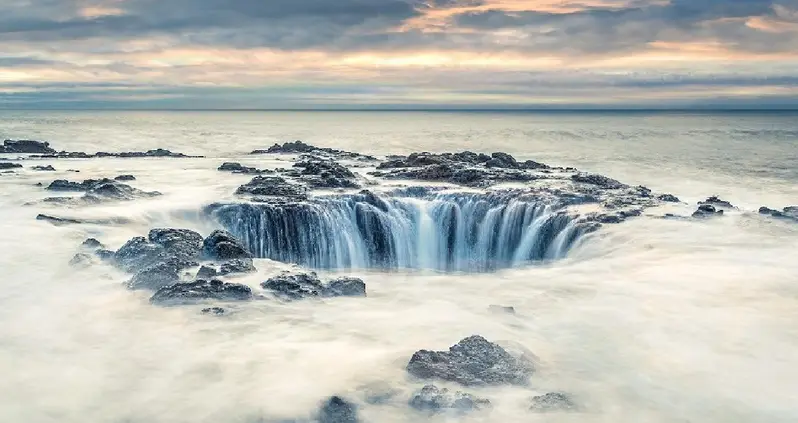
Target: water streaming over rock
column 409, row 229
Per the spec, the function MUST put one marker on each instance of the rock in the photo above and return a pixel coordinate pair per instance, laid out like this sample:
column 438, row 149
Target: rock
column 239, row 168
column 206, row 272
column 272, row 186
column 80, row 259
column 58, row 221
column 239, row 265
column 338, row 410
column 26, row 147
column 155, row 277
column 717, row 203
column 320, row 173
column 64, row 185
column 218, row 311
column 125, row 178
column 8, row 165
column 599, row 180
column 138, row 253
column 473, row 361
column 553, row 401
column 298, row 147
column 432, row 399
column 707, row 210
column 789, row 213
column 347, row 287
column 158, row 152
column 502, row 160
column 222, row 245
column 92, row 243
column 48, row 168
column 668, row 198
column 105, row 255
column 183, row 293
column 501, row 309
column 118, row 191
column 183, row 241
column 533, row 165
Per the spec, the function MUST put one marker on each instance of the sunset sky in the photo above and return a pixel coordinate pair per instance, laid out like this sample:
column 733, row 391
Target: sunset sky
column 398, row 53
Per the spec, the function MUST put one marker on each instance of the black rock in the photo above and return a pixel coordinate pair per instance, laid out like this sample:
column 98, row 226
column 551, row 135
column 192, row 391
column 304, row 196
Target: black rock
column 599, row 180
column 182, row 293
column 92, row 243
column 717, row 202
column 155, row 277
column 471, row 362
column 239, row 265
column 64, row 185
column 58, row 221
column 669, row 198
column 8, row 165
column 48, row 168
column 433, row 399
column 553, row 401
column 308, row 285
column 707, row 210
column 206, row 272
column 222, row 245
column 337, row 410
column 272, row 186
column 26, row 147
column 125, row 178
column 239, row 168
column 184, row 242
column 213, row 310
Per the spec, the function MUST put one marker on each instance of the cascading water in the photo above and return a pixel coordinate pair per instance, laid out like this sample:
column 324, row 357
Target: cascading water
column 445, row 231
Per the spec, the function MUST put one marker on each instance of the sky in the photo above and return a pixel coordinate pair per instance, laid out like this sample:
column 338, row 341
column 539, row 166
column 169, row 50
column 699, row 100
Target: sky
column 319, row 54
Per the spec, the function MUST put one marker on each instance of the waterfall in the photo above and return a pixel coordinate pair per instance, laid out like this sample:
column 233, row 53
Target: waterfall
column 407, row 229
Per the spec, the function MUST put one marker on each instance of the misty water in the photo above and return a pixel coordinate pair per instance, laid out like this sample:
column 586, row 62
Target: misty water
column 650, row 320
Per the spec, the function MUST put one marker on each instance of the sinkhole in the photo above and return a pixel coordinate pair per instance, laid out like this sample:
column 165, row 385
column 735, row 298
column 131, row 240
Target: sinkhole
column 407, row 229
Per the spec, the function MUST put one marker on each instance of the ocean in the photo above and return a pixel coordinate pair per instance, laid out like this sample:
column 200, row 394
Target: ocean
column 649, row 320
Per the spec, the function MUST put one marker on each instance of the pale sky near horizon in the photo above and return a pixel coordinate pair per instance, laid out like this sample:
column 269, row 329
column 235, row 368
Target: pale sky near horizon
column 398, row 53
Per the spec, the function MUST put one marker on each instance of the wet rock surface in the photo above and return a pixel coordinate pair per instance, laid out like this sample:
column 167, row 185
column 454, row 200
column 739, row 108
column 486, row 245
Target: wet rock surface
column 201, row 290
column 26, row 147
column 308, row 285
column 553, row 401
column 432, row 399
column 669, row 198
column 299, row 147
column 474, row 361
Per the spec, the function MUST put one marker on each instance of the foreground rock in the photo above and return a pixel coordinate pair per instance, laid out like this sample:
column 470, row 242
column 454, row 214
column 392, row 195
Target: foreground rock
column 553, row 401
column 299, row 147
column 26, row 147
column 474, row 361
column 434, row 400
column 308, row 285
column 158, row 259
column 201, row 290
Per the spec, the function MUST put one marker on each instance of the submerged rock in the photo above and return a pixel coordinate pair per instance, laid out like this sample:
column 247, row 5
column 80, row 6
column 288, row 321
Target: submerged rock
column 81, row 259
column 337, row 410
column 189, row 292
column 308, row 285
column 8, row 165
column 707, row 210
column 48, row 168
column 218, row 311
column 498, row 309
column 158, row 152
column 433, row 399
column 58, row 221
column 473, row 361
column 26, row 147
column 553, row 401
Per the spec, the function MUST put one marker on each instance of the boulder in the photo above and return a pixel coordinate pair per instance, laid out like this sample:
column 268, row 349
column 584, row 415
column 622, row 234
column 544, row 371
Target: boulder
column 155, row 277
column 502, row 160
column 48, row 168
column 337, row 410
column 308, row 285
column 222, row 245
column 26, row 147
column 320, row 173
column 473, row 361
column 788, row 213
column 138, row 253
column 346, row 287
column 200, row 290
column 553, row 401
column 434, row 400
column 9, row 165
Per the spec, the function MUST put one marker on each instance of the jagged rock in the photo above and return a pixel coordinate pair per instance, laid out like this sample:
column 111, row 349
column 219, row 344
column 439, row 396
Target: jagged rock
column 26, row 147
column 501, row 309
column 125, row 178
column 48, row 168
column 64, row 185
column 206, row 272
column 239, row 168
column 308, row 285
column 8, row 165
column 272, row 186
column 717, row 203
column 707, row 210
column 58, row 221
column 433, row 399
column 182, row 293
column 338, row 410
column 669, row 198
column 473, row 361
column 155, row 277
column 553, row 401
column 598, row 180
column 92, row 243
column 320, row 173
column 239, row 265
column 222, row 245
column 218, row 311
